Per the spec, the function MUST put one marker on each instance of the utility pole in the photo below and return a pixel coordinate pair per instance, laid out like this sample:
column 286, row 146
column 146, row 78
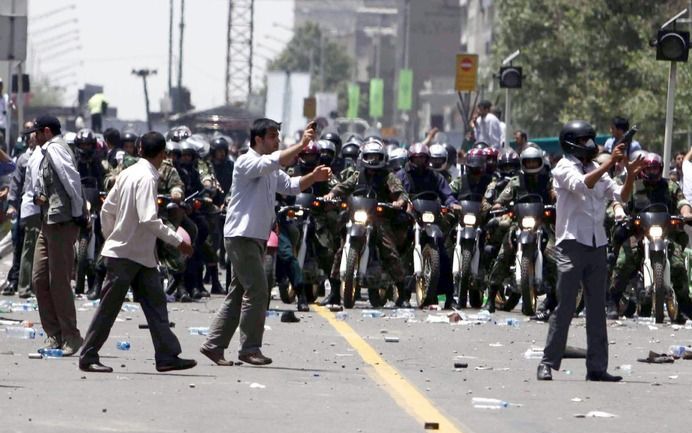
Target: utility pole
column 239, row 56
column 180, row 52
column 170, row 48
column 228, row 53
column 144, row 73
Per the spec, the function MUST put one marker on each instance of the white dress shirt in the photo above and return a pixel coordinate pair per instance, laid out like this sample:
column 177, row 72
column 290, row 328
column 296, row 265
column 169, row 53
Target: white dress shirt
column 256, row 180
column 28, row 207
column 580, row 210
column 489, row 130
column 687, row 179
column 129, row 217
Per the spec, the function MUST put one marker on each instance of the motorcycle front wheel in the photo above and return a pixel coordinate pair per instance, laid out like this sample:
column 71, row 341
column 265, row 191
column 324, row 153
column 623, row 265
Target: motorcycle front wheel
column 426, row 284
column 349, row 283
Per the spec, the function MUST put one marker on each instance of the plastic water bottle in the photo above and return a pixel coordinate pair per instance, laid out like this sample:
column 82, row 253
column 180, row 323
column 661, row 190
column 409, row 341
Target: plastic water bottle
column 272, row 314
column 91, row 304
column 404, row 313
column 18, row 308
column 513, row 322
column 489, row 403
column 5, row 307
column 533, row 354
column 677, row 350
column 129, row 308
column 20, row 332
column 123, row 345
column 51, row 353
column 373, row 314
column 198, row 330
column 341, row 315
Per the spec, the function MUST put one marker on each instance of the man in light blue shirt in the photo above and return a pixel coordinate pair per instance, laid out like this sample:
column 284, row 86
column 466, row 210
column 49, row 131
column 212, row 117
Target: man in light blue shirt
column 257, row 177
column 618, row 127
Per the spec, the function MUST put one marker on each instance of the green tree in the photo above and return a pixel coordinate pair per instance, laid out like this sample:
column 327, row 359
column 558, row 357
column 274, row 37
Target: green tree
column 304, row 53
column 591, row 59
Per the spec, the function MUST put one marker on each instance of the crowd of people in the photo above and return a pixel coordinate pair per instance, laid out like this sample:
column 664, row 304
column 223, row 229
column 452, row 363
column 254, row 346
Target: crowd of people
column 100, row 214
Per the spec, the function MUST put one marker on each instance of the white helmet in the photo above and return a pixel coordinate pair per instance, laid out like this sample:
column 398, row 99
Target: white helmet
column 397, row 159
column 438, row 157
column 531, row 160
column 372, row 154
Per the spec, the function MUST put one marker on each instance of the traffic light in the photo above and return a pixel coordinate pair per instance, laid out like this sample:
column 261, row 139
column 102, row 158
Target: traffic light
column 510, row 77
column 672, row 45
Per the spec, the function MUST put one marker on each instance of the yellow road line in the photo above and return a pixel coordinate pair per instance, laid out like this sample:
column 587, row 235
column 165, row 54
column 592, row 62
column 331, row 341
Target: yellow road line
column 402, row 392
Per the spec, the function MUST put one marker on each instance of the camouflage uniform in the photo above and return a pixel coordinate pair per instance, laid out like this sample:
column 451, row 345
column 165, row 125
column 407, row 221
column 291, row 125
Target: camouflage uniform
column 513, row 191
column 388, row 188
column 630, row 256
column 112, row 174
column 170, row 183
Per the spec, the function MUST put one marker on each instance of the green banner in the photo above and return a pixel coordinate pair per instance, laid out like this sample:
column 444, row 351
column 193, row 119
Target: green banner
column 405, row 99
column 376, row 98
column 353, row 100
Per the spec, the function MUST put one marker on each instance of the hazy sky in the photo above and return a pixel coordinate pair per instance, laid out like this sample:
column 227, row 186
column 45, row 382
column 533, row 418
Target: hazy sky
column 119, row 35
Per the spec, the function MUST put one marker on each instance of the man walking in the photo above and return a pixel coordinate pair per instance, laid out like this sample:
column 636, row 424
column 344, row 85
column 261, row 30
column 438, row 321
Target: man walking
column 62, row 210
column 487, row 126
column 257, row 177
column 583, row 190
column 130, row 222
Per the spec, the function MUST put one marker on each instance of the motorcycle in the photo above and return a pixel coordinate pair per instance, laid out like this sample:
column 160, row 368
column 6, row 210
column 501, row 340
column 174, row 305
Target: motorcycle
column 466, row 269
column 656, row 295
column 302, row 214
column 90, row 239
column 427, row 238
column 529, row 241
column 360, row 265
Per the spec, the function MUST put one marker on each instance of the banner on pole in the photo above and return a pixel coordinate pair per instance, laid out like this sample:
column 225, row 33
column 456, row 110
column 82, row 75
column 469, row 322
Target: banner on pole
column 376, row 98
column 405, row 99
column 353, row 100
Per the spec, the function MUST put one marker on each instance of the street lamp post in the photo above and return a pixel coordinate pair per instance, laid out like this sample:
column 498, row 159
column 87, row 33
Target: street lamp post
column 144, row 73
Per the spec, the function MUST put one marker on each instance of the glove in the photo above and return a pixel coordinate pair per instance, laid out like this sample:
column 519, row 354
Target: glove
column 82, row 221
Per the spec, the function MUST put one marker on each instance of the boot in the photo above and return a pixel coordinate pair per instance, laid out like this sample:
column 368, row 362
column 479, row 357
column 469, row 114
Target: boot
column 216, row 287
column 334, row 297
column 303, row 302
column 492, row 293
column 181, row 294
column 613, row 305
column 404, row 298
column 95, row 291
column 173, row 283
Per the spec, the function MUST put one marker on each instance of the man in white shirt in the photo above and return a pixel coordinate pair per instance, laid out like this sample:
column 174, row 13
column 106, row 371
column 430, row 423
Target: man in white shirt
column 4, row 102
column 257, row 177
column 131, row 226
column 487, row 126
column 583, row 190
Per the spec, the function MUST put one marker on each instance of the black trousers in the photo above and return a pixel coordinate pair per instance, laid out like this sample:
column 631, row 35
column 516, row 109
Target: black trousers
column 579, row 264
column 146, row 286
column 18, row 242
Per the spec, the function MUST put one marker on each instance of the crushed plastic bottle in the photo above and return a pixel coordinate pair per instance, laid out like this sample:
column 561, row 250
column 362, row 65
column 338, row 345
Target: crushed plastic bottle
column 129, row 308
column 123, row 345
column 677, row 350
column 198, row 330
column 91, row 304
column 5, row 307
column 372, row 314
column 404, row 313
column 482, row 316
column 51, row 353
column 20, row 332
column 341, row 315
column 513, row 322
column 489, row 403
column 22, row 307
column 533, row 353
column 272, row 314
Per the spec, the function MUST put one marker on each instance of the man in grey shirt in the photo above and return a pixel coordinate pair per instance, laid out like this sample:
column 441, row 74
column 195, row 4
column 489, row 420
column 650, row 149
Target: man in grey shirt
column 257, row 177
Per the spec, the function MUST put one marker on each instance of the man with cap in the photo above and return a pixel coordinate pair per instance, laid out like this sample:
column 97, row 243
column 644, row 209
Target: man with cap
column 59, row 194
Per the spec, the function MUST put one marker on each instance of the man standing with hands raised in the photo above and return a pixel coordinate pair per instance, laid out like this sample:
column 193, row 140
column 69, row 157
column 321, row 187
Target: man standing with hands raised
column 583, row 189
column 257, row 177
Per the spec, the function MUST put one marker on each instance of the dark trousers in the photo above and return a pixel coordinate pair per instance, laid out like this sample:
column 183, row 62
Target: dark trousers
column 577, row 265
column 146, row 286
column 18, row 243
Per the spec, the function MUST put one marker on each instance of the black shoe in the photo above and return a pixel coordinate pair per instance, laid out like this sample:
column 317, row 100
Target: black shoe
column 181, row 295
column 334, row 298
column 202, row 294
column 541, row 316
column 216, row 287
column 176, row 364
column 448, row 304
column 289, row 317
column 303, row 304
column 26, row 295
column 8, row 288
column 612, row 312
column 255, row 358
column 544, row 372
column 95, row 367
column 602, row 377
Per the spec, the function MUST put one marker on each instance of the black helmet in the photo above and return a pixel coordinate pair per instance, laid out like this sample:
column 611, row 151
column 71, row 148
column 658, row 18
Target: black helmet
column 351, row 150
column 577, row 138
column 508, row 163
column 178, row 133
column 219, row 143
column 128, row 136
column 334, row 137
column 85, row 137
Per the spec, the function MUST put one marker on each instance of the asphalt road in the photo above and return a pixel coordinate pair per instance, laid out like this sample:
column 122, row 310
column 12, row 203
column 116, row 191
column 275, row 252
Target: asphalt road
column 331, row 375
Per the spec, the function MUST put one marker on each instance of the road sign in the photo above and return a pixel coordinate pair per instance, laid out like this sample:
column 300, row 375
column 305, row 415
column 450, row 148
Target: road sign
column 13, row 37
column 376, row 98
column 466, row 72
column 405, row 99
column 310, row 107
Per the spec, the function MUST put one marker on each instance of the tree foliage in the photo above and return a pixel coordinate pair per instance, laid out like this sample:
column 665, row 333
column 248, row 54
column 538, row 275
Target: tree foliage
column 303, row 53
column 591, row 59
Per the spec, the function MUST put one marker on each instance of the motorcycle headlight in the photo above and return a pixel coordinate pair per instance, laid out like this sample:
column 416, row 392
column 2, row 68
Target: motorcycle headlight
column 656, row 231
column 528, row 222
column 428, row 217
column 360, row 216
column 469, row 219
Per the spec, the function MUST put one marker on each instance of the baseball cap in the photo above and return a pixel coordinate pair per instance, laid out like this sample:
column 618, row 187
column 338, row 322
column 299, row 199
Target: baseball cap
column 42, row 122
